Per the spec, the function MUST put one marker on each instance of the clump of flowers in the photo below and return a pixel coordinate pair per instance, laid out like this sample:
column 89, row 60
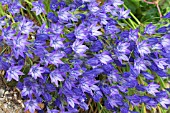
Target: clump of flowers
column 80, row 52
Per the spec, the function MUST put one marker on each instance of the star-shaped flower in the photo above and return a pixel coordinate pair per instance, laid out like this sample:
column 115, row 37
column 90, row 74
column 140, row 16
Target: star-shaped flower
column 13, row 72
column 38, row 7
column 36, row 71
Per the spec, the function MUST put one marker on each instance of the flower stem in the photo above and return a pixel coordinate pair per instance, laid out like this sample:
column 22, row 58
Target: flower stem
column 132, row 15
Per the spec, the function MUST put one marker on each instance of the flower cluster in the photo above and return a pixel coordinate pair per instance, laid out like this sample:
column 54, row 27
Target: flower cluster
column 83, row 54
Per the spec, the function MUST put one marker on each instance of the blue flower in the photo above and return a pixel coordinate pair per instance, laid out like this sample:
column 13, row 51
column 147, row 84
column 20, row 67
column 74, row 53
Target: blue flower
column 8, row 33
column 52, row 17
column 13, row 72
column 38, row 6
column 80, row 32
column 54, row 5
column 36, row 71
column 57, row 28
column 124, row 14
column 25, row 26
column 139, row 65
column 152, row 88
column 104, row 58
column 167, row 15
column 143, row 48
column 56, row 76
column 56, row 42
column 14, row 8
column 150, row 29
column 93, row 29
column 165, row 102
column 96, row 46
column 133, row 34
column 31, row 105
column 79, row 48
column 55, row 58
column 27, row 91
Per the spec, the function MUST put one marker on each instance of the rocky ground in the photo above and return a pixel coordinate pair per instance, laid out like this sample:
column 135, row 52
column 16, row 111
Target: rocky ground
column 10, row 100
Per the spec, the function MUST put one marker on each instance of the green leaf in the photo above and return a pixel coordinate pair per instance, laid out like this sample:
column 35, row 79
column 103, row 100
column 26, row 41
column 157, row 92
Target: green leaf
column 133, row 5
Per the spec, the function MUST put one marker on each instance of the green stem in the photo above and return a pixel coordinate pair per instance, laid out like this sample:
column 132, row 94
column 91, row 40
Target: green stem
column 3, row 50
column 127, row 23
column 132, row 15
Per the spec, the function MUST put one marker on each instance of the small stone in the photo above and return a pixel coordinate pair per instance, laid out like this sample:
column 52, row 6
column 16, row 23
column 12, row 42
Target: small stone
column 2, row 92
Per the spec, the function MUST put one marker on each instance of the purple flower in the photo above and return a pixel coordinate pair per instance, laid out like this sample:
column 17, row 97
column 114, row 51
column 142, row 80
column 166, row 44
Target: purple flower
column 113, row 76
column 123, row 47
column 80, row 32
column 13, row 72
column 152, row 88
column 14, row 8
column 124, row 14
column 122, row 56
column 2, row 22
column 43, row 29
column 36, row 71
column 20, row 40
column 150, row 29
column 162, row 30
column 52, row 111
column 64, row 14
column 97, row 46
column 4, row 2
column 111, row 28
column 25, row 26
column 56, row 76
column 148, row 76
column 116, row 2
column 52, row 17
column 79, row 48
column 165, row 41
column 167, row 15
column 55, row 58
column 104, row 58
column 161, row 62
column 143, row 48
column 27, row 90
column 38, row 7
column 93, row 7
column 139, row 65
column 56, row 42
column 164, row 102
column 7, row 33
column 31, row 105
column 133, row 34
column 135, row 99
column 57, row 28
column 53, row 5
column 94, row 30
